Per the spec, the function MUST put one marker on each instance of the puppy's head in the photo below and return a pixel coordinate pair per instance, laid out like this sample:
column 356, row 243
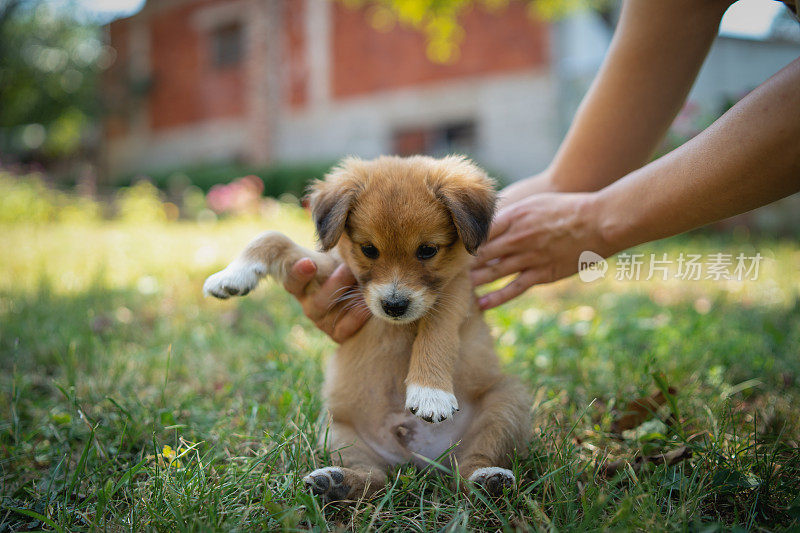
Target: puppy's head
column 404, row 226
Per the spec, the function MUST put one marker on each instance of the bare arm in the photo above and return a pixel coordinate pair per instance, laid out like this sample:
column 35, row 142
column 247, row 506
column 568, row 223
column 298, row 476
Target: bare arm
column 748, row 158
column 655, row 55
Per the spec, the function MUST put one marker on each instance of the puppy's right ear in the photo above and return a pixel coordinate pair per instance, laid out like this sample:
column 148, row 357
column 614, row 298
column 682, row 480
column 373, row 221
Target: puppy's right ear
column 332, row 198
column 468, row 193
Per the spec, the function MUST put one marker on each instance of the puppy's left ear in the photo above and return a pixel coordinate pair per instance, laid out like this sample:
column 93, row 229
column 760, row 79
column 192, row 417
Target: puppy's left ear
column 332, row 198
column 469, row 195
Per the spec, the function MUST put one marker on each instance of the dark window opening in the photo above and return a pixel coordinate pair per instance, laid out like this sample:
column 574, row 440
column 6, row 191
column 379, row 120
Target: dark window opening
column 455, row 138
column 227, row 46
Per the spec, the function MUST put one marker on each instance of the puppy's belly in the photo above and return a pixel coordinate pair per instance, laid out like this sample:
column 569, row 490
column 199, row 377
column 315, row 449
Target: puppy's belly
column 403, row 437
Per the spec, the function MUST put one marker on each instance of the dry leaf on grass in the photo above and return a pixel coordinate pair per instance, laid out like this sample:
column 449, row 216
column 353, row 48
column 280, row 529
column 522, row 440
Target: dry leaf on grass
column 670, row 458
column 639, row 410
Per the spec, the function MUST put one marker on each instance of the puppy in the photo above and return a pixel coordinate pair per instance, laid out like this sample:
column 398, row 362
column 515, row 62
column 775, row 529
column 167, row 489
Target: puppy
column 420, row 380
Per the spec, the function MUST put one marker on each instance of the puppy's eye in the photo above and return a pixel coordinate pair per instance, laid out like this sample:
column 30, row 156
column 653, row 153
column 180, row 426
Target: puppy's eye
column 426, row 251
column 370, row 251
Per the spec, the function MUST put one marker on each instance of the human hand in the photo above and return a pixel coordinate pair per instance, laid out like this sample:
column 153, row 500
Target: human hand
column 337, row 308
column 540, row 238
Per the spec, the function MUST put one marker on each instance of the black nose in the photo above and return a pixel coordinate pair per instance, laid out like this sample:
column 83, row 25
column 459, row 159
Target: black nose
column 395, row 307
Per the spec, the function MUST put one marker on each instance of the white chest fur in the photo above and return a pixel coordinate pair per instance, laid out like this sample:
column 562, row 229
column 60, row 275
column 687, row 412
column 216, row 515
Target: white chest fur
column 403, row 437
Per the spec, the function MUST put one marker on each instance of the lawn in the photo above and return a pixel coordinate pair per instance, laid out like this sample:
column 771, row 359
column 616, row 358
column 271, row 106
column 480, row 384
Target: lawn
column 130, row 402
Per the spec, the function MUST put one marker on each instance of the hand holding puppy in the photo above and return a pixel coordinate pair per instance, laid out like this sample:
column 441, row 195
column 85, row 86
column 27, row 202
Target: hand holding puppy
column 539, row 238
column 393, row 390
column 338, row 319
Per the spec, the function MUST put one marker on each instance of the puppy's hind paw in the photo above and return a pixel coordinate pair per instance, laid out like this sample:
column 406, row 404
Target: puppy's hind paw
column 328, row 482
column 238, row 279
column 431, row 405
column 494, row 479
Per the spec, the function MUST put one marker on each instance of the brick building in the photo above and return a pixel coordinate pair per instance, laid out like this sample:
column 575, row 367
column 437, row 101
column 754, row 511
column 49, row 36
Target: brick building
column 263, row 81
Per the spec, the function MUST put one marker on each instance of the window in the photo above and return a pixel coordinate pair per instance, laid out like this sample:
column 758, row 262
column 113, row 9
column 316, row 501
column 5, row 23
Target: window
column 455, row 138
column 227, row 45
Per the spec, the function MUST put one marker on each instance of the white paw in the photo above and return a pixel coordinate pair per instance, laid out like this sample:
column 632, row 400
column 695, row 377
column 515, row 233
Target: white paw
column 431, row 405
column 494, row 479
column 327, row 482
column 237, row 279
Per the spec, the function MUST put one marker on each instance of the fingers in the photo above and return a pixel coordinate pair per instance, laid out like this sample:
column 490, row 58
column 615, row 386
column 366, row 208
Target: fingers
column 493, row 249
column 348, row 324
column 506, row 266
column 500, row 224
column 516, row 287
column 321, row 307
column 337, row 286
column 300, row 274
column 345, row 319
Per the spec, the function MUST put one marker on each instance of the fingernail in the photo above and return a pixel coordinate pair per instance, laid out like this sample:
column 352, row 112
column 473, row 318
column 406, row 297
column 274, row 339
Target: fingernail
column 307, row 266
column 483, row 302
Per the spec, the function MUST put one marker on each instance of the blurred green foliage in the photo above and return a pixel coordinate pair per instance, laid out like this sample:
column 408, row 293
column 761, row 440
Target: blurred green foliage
column 140, row 203
column 29, row 199
column 49, row 66
column 278, row 179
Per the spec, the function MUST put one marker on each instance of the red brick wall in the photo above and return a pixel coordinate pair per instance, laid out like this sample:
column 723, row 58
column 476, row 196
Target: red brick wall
column 297, row 65
column 365, row 60
column 115, row 80
column 187, row 87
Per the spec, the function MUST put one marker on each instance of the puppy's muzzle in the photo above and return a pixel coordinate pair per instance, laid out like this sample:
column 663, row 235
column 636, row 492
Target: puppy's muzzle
column 395, row 306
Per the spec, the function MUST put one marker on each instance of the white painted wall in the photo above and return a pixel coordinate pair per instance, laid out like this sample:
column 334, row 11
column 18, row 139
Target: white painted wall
column 221, row 140
column 514, row 117
column 736, row 66
column 737, row 62
column 520, row 118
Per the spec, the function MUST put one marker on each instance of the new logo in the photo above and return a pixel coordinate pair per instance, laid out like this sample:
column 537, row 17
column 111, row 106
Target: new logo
column 591, row 266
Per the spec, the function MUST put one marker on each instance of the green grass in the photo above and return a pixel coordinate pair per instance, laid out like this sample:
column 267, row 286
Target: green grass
column 109, row 353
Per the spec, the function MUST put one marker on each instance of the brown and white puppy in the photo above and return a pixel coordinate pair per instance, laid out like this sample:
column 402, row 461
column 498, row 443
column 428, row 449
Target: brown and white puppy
column 420, row 377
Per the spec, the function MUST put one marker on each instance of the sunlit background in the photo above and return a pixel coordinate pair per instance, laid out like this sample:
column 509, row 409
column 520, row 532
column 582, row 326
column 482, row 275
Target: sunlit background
column 102, row 93
column 143, row 144
column 111, row 8
column 747, row 18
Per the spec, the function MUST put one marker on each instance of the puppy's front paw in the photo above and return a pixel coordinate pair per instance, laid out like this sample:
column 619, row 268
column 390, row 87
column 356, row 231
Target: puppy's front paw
column 328, row 482
column 494, row 479
column 431, row 405
column 237, row 279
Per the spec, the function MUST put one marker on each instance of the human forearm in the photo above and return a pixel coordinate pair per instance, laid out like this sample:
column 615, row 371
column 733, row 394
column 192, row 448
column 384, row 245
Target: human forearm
column 653, row 60
column 655, row 55
column 540, row 183
column 748, row 158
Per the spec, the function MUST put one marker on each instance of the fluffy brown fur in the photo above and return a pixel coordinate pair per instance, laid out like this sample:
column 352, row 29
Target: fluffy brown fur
column 421, row 376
